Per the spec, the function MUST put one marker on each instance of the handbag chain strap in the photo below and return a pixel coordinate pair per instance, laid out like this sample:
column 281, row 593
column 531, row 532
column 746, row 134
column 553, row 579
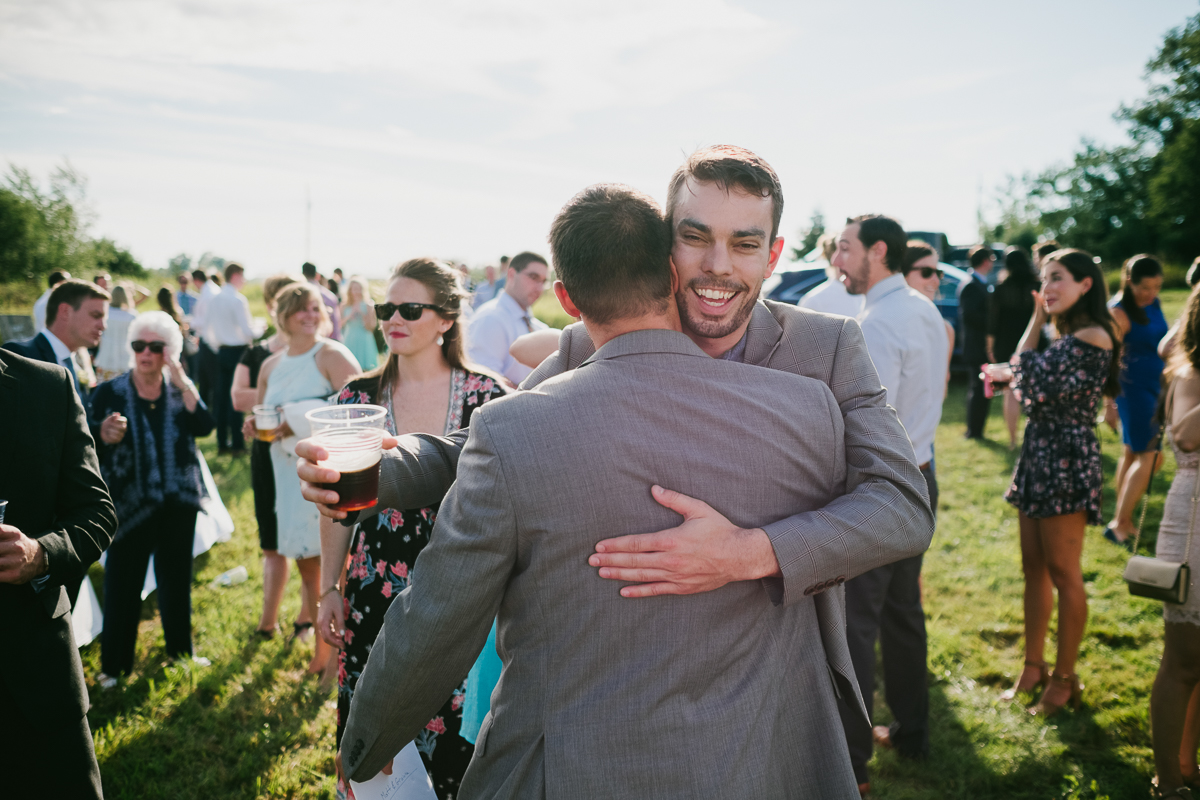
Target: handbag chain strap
column 1146, row 500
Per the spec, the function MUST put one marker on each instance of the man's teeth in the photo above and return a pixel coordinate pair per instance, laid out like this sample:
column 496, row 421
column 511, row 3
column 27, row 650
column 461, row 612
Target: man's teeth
column 714, row 294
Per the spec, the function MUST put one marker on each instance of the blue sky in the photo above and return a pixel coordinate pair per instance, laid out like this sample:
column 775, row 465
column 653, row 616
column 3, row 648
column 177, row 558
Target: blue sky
column 458, row 129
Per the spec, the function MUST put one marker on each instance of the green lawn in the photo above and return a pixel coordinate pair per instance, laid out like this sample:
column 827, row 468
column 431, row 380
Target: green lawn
column 252, row 726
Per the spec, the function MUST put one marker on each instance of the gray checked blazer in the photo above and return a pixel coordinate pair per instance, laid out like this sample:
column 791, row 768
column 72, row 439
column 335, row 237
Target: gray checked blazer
column 721, row 694
column 884, row 515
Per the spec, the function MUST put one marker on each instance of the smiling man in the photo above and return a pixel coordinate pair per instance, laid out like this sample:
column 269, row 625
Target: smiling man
column 724, row 206
column 499, row 321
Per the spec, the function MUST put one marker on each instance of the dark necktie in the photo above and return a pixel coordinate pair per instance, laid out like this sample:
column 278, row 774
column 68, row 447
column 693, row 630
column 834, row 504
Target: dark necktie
column 69, row 363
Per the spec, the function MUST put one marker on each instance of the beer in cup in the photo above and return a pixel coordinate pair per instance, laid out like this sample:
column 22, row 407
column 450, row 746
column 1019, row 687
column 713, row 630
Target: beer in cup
column 352, row 435
column 267, row 420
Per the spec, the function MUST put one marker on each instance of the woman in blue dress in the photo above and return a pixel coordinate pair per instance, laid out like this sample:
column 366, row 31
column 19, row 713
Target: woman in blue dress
column 1140, row 319
column 358, row 324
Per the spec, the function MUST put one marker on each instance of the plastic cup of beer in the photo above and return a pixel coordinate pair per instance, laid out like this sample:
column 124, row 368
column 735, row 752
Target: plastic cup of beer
column 267, row 420
column 3, row 505
column 352, row 435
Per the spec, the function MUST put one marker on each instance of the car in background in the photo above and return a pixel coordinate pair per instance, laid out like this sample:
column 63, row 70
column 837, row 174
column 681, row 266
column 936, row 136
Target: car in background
column 789, row 286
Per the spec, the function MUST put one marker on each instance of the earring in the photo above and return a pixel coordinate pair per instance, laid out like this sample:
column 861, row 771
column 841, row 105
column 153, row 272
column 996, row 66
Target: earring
column 441, row 341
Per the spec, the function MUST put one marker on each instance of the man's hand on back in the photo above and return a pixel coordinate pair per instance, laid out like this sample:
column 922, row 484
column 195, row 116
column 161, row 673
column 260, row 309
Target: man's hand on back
column 704, row 553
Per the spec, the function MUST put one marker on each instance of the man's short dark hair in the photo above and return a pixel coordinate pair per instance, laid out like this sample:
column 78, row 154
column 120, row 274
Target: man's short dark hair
column 233, row 268
column 308, row 270
column 980, row 253
column 612, row 252
column 522, row 260
column 199, row 275
column 728, row 166
column 874, row 228
column 96, row 278
column 73, row 292
column 56, row 277
column 1043, row 249
column 503, row 260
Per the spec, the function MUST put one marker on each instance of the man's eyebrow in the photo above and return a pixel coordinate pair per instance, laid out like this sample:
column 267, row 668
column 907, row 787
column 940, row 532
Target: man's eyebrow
column 694, row 223
column 759, row 232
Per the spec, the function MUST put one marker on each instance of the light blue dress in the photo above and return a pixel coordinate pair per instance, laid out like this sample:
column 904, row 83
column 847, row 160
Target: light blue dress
column 295, row 378
column 359, row 340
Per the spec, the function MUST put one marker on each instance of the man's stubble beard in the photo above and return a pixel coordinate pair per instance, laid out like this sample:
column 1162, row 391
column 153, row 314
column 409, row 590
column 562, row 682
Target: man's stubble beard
column 714, row 328
column 856, row 282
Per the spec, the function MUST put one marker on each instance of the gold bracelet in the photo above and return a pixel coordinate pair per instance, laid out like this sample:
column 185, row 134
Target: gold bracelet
column 334, row 588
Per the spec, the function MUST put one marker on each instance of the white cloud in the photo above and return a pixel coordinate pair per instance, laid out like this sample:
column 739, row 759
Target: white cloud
column 549, row 59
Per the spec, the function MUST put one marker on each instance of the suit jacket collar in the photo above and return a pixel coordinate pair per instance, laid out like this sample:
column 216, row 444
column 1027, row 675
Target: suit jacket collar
column 648, row 341
column 762, row 335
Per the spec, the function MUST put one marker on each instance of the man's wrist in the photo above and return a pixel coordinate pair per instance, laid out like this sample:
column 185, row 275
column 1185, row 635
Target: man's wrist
column 41, row 560
column 761, row 561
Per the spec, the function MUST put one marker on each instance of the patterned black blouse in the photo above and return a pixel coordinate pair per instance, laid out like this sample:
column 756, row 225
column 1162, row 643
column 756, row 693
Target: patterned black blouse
column 383, row 549
column 1059, row 468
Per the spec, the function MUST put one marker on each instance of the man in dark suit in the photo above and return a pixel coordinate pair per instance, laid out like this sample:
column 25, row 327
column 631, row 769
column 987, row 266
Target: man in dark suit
column 76, row 316
column 973, row 299
column 58, row 520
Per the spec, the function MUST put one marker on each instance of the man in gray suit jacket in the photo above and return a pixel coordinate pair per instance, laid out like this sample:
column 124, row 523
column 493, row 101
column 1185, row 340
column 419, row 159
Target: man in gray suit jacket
column 724, row 206
column 600, row 697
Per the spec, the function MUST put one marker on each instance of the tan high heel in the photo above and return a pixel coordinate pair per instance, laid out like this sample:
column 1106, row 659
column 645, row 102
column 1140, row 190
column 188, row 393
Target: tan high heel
column 1009, row 695
column 1048, row 709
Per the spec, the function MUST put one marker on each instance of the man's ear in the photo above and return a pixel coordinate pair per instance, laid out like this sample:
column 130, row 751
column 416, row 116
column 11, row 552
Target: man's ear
column 773, row 259
column 674, row 276
column 879, row 251
column 564, row 300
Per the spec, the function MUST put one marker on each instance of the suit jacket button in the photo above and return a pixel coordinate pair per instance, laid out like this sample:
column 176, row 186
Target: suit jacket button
column 841, row 579
column 808, row 592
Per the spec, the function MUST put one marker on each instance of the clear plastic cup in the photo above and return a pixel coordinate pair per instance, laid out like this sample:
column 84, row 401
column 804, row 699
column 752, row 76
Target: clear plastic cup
column 3, row 505
column 352, row 435
column 267, row 420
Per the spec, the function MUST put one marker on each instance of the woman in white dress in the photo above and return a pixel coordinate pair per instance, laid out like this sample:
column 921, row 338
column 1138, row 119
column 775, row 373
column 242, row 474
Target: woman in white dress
column 114, row 356
column 310, row 368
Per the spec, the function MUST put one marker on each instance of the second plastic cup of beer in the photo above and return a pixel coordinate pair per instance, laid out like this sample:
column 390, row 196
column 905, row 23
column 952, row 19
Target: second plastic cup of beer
column 266, row 420
column 352, row 435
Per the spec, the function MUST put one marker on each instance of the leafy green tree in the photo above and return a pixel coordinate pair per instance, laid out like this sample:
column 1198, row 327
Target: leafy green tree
column 42, row 230
column 810, row 235
column 181, row 263
column 108, row 257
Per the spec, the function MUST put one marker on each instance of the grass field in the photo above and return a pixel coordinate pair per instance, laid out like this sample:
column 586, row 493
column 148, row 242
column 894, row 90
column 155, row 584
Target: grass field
column 251, row 726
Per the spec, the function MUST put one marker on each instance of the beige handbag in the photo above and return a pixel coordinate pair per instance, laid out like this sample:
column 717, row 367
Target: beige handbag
column 1153, row 577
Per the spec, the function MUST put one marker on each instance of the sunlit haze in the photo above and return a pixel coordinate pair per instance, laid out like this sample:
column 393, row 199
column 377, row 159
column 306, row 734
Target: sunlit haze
column 458, row 129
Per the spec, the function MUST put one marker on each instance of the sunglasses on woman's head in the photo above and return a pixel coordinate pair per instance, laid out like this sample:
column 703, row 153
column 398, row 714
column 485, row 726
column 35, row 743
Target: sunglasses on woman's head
column 409, row 311
column 155, row 347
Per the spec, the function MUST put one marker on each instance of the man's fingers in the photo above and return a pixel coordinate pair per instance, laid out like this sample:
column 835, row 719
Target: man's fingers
column 387, row 768
column 635, row 575
column 389, row 442
column 309, row 450
column 311, row 473
column 633, row 560
column 652, row 590
column 688, row 507
column 635, row 543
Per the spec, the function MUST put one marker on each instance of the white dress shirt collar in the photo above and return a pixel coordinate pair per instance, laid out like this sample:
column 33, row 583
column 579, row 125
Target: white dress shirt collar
column 61, row 351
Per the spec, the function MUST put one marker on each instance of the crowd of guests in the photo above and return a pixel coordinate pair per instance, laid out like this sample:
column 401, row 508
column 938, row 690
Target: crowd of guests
column 1044, row 335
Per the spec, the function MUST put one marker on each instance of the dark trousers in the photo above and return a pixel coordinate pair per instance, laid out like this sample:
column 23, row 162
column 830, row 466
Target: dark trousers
column 229, row 422
column 168, row 535
column 977, row 404
column 206, row 373
column 885, row 604
column 40, row 760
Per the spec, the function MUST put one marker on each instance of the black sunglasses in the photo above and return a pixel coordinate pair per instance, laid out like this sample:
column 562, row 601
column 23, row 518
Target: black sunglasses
column 929, row 272
column 409, row 311
column 155, row 347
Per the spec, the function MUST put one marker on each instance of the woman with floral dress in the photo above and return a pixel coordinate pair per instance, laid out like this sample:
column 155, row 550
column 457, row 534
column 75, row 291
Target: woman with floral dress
column 1057, row 482
column 426, row 388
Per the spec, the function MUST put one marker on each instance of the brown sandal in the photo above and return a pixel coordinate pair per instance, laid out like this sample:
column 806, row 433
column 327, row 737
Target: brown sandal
column 1009, row 695
column 1048, row 709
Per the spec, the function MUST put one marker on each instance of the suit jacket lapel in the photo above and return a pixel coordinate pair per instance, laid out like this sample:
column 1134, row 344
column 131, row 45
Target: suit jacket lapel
column 762, row 336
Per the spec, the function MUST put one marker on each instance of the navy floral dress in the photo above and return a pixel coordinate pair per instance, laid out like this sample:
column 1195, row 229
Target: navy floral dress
column 383, row 549
column 1059, row 469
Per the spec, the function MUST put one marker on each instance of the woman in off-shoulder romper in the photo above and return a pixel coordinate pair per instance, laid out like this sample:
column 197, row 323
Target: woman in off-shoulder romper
column 1057, row 483
column 1175, row 701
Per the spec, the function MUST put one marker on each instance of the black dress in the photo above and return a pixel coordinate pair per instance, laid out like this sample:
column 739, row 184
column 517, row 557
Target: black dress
column 383, row 549
column 1012, row 306
column 262, row 475
column 1059, row 468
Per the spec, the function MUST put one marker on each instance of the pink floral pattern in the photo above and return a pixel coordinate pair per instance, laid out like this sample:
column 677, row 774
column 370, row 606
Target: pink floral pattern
column 1059, row 471
column 383, row 550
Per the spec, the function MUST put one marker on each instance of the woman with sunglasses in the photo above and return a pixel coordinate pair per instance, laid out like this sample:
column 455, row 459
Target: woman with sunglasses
column 1057, row 483
column 309, row 369
column 1012, row 306
column 147, row 453
column 923, row 272
column 426, row 387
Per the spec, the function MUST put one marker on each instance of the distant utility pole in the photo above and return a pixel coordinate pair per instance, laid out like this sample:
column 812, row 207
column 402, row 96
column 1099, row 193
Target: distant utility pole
column 307, row 222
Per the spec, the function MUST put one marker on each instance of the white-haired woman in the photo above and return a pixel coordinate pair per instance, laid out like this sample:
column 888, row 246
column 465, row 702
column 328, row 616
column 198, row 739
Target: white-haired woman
column 149, row 418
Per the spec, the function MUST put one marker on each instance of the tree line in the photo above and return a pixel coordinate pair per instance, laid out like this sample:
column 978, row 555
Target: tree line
column 45, row 228
column 1141, row 196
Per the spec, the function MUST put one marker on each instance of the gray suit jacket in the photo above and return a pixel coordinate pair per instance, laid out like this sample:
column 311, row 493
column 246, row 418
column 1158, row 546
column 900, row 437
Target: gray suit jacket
column 883, row 517
column 722, row 694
